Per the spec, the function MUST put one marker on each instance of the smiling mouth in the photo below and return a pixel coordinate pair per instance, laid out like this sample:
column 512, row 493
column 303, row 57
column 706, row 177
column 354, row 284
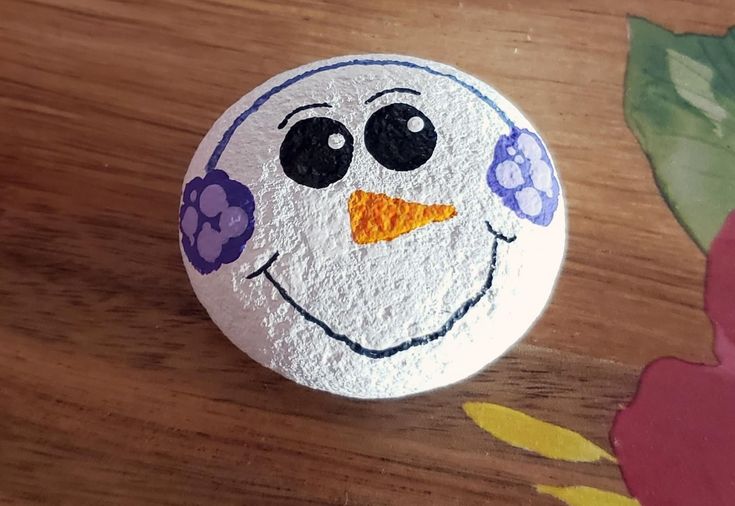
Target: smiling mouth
column 456, row 315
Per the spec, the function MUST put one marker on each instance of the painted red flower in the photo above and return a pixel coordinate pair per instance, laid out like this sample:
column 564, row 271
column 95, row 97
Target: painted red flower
column 676, row 441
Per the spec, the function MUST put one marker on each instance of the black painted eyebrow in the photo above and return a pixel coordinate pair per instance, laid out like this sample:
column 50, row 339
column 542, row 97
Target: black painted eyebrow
column 299, row 109
column 392, row 90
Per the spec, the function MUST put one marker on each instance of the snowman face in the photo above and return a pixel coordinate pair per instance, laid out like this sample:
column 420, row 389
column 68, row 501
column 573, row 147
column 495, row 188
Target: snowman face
column 372, row 226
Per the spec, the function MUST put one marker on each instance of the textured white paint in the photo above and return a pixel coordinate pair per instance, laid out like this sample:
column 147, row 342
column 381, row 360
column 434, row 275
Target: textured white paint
column 385, row 293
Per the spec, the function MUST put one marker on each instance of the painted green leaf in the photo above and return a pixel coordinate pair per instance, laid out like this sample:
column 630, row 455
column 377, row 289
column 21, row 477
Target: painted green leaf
column 680, row 104
column 523, row 431
column 586, row 496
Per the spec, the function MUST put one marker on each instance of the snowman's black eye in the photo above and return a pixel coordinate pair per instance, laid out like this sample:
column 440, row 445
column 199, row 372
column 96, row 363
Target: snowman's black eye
column 316, row 152
column 400, row 137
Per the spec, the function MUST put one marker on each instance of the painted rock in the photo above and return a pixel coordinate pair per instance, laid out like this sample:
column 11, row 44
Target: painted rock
column 373, row 226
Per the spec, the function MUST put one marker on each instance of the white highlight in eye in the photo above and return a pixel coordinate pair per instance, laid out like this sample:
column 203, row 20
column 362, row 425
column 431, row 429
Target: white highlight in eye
column 415, row 124
column 336, row 141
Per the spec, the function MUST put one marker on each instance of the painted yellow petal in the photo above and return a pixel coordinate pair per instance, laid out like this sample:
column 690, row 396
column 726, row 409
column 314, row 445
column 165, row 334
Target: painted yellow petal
column 586, row 496
column 523, row 431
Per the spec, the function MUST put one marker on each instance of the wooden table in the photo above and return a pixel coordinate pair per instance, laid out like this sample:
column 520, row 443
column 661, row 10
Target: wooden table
column 116, row 388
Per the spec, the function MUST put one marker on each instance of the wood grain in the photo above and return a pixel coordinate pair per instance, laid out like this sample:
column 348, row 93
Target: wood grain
column 115, row 388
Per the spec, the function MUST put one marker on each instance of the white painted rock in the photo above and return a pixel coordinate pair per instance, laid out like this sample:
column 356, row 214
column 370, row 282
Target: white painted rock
column 373, row 226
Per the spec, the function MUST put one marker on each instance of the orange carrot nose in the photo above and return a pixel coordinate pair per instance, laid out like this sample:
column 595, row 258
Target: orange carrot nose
column 377, row 217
